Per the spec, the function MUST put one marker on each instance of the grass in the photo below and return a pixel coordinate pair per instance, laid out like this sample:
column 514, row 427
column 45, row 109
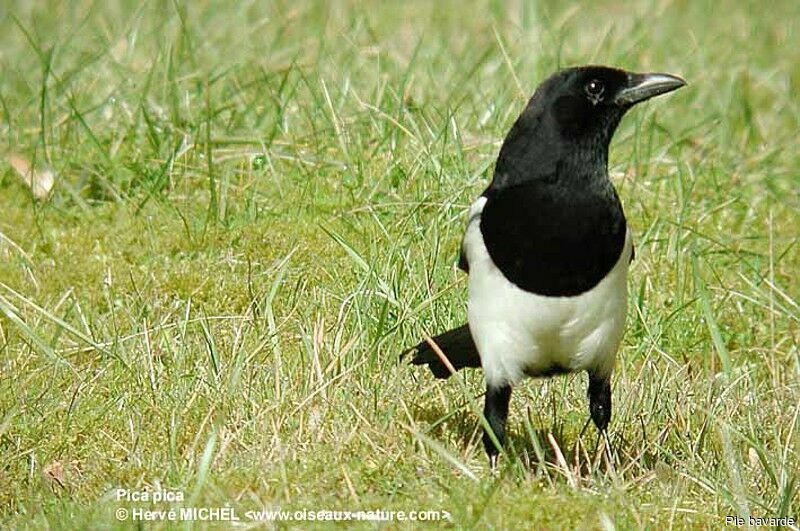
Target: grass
column 257, row 206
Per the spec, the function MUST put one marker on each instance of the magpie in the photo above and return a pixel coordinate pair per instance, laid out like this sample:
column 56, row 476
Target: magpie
column 547, row 247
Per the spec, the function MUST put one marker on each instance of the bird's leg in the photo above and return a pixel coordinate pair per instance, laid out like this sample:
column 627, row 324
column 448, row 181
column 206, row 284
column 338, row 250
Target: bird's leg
column 495, row 410
column 600, row 401
column 600, row 404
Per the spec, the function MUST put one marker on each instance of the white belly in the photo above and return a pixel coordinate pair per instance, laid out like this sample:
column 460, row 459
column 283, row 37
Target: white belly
column 519, row 333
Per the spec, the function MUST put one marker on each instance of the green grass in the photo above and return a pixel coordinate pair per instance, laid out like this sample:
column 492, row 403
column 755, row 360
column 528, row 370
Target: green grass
column 258, row 205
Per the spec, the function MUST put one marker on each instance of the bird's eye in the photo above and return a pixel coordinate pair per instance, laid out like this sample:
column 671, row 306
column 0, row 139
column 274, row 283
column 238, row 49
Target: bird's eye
column 594, row 89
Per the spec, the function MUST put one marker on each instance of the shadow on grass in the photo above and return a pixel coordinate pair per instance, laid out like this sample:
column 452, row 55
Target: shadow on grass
column 560, row 450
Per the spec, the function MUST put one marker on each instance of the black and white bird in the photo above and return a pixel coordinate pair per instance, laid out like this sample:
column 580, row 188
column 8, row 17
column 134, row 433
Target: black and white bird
column 547, row 247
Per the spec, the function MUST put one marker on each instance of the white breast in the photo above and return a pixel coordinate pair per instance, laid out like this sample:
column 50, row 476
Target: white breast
column 518, row 332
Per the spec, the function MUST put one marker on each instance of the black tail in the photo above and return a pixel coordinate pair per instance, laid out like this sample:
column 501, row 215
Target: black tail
column 457, row 345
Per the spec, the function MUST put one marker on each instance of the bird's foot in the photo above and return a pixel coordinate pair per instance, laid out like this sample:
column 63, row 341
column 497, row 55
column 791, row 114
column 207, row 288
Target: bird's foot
column 609, row 450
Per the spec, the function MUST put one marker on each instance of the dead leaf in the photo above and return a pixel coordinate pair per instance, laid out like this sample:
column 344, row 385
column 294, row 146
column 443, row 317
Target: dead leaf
column 119, row 50
column 752, row 456
column 40, row 181
column 54, row 476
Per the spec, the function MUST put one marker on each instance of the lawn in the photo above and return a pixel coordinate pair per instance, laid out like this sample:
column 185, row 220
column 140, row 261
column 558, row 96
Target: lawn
column 256, row 206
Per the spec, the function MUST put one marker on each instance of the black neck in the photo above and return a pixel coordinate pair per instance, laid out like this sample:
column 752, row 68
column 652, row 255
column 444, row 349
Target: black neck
column 533, row 153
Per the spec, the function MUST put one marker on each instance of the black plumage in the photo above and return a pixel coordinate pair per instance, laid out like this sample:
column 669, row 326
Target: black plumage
column 456, row 344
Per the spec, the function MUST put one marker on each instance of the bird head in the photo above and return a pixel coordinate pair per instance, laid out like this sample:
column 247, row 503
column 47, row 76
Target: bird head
column 570, row 119
column 590, row 100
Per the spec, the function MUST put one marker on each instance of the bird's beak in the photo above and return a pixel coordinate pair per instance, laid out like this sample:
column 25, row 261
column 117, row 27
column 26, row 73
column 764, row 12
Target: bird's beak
column 642, row 87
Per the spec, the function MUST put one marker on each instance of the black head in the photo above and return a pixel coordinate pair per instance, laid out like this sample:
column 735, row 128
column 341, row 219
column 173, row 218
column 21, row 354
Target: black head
column 590, row 100
column 570, row 121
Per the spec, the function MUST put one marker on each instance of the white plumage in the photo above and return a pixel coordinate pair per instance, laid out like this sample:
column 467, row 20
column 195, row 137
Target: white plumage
column 520, row 333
